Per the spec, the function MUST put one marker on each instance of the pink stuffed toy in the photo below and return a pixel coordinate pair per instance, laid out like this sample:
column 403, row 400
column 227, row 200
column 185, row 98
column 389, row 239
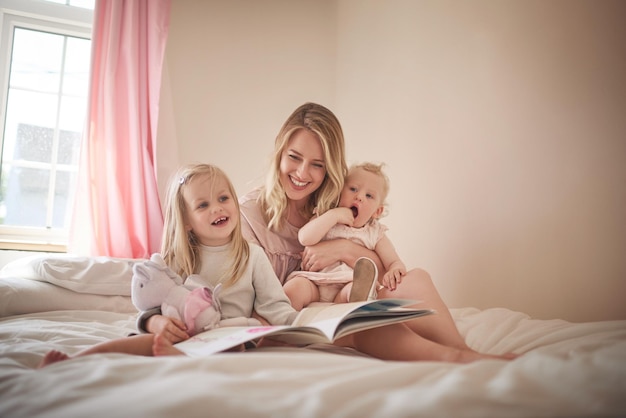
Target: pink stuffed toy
column 154, row 284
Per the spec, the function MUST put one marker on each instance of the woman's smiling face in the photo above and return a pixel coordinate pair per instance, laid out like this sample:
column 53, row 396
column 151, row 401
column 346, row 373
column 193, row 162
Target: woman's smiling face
column 302, row 165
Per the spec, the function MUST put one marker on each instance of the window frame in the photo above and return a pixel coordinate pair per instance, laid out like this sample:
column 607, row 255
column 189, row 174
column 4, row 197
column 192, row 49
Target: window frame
column 47, row 17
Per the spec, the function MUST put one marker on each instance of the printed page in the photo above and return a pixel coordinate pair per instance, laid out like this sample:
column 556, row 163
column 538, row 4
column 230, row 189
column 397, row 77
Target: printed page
column 223, row 338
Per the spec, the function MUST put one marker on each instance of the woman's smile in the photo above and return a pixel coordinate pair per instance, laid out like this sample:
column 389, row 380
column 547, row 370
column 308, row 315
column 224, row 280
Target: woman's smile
column 302, row 165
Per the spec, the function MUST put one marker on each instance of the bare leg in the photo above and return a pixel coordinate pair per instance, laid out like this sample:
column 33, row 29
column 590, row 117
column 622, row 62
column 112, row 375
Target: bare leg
column 406, row 345
column 301, row 292
column 344, row 294
column 440, row 327
column 163, row 347
column 139, row 345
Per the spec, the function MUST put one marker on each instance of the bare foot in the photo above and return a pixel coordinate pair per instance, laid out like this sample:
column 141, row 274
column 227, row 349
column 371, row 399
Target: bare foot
column 468, row 356
column 163, row 347
column 510, row 356
column 52, row 356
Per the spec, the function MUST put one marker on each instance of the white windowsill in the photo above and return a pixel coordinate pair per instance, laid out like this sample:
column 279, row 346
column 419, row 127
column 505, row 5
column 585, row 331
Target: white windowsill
column 32, row 246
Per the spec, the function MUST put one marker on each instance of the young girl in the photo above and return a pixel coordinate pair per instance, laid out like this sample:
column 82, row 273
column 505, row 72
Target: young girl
column 202, row 235
column 361, row 204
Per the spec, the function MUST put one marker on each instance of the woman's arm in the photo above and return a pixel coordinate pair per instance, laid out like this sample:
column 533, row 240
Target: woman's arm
column 325, row 253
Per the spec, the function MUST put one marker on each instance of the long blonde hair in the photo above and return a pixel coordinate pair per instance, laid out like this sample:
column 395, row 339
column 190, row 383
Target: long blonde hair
column 180, row 248
column 324, row 124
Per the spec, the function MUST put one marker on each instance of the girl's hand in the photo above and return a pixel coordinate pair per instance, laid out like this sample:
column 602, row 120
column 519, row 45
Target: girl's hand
column 174, row 330
column 258, row 317
column 393, row 278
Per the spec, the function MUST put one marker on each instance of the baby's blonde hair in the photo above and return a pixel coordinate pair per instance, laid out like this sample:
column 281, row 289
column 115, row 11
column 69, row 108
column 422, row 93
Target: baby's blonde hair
column 324, row 124
column 180, row 248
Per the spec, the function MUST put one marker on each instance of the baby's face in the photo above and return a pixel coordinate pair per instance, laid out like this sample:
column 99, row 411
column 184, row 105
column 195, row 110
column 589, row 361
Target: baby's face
column 363, row 193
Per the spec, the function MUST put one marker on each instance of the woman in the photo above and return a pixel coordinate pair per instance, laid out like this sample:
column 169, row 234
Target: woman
column 307, row 173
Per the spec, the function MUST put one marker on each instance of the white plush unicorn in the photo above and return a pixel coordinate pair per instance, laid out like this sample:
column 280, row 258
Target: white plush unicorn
column 154, row 284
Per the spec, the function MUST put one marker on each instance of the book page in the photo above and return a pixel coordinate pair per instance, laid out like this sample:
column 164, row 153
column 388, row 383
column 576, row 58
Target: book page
column 338, row 312
column 223, row 338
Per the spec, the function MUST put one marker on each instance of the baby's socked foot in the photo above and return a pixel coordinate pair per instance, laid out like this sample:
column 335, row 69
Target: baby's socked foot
column 52, row 356
column 161, row 346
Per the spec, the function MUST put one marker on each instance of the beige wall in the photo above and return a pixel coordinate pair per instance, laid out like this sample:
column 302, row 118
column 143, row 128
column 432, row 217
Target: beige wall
column 501, row 122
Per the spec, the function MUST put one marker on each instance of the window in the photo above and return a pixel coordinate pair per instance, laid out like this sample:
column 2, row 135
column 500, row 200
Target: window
column 45, row 52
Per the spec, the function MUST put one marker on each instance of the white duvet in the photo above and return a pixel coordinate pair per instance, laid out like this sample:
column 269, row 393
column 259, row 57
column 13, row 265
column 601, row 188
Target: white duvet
column 567, row 370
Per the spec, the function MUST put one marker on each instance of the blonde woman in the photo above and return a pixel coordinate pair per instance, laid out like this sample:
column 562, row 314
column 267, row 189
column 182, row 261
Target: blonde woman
column 307, row 172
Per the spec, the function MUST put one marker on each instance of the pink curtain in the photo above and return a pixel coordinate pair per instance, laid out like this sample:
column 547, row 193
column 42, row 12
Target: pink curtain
column 117, row 208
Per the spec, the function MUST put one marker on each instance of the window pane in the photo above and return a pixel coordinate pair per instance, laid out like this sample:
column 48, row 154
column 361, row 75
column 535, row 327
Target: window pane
column 34, row 143
column 27, row 108
column 69, row 148
column 63, row 197
column 77, row 62
column 26, row 197
column 36, row 62
column 72, row 115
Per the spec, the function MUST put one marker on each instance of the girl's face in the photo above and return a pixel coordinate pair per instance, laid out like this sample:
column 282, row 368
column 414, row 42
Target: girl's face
column 302, row 166
column 211, row 211
column 363, row 193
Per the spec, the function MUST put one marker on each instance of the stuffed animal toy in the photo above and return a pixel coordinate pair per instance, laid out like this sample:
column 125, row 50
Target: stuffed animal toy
column 154, row 284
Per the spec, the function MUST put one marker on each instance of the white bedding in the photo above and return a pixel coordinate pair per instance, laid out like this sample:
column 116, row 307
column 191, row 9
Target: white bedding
column 567, row 370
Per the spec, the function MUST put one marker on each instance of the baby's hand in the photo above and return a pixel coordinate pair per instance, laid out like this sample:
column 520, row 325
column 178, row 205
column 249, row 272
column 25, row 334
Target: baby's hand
column 343, row 216
column 393, row 277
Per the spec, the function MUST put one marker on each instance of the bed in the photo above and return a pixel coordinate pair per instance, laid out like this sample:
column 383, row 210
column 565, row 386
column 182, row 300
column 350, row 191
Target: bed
column 69, row 303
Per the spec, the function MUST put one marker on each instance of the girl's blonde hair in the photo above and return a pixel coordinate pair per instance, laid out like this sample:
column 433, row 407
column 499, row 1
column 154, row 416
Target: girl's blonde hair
column 324, row 124
column 180, row 248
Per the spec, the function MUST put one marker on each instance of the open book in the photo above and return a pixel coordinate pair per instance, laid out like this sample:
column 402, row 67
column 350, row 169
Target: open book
column 314, row 324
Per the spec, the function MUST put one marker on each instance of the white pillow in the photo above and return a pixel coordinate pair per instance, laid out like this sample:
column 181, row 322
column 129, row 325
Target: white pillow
column 22, row 296
column 93, row 275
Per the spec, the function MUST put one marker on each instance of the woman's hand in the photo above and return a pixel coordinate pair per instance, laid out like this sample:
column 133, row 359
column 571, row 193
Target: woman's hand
column 319, row 256
column 174, row 330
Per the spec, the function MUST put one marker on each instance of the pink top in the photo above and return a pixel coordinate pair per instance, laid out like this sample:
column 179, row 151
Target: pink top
column 282, row 247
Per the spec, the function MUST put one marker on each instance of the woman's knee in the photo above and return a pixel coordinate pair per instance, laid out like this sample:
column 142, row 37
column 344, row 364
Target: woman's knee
column 418, row 274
